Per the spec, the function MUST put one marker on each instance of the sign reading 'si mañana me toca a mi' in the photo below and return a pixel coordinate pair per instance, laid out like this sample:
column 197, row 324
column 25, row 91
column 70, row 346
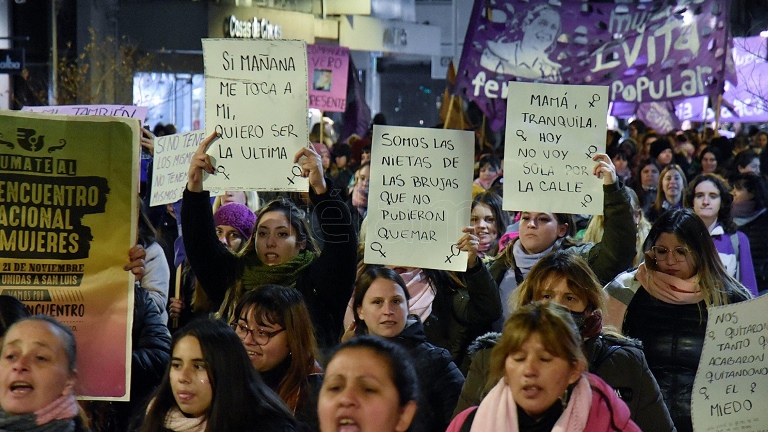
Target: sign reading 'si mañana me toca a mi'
column 256, row 100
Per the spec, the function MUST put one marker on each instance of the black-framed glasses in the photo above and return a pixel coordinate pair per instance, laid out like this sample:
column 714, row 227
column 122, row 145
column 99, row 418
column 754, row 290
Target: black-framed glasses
column 661, row 253
column 259, row 336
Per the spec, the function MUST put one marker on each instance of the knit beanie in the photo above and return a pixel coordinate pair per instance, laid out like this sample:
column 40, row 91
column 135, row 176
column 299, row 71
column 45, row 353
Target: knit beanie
column 238, row 216
column 659, row 146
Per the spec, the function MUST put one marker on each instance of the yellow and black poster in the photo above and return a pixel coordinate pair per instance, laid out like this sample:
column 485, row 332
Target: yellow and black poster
column 68, row 200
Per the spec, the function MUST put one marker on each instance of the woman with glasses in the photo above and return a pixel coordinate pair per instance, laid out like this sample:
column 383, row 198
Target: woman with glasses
column 273, row 323
column 669, row 194
column 380, row 305
column 664, row 304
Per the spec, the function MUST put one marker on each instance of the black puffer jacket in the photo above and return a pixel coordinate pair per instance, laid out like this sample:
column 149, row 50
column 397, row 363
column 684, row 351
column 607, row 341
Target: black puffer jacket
column 756, row 231
column 619, row 362
column 673, row 336
column 440, row 380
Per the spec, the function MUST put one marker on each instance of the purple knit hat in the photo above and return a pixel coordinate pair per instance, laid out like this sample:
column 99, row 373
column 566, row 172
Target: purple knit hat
column 238, row 216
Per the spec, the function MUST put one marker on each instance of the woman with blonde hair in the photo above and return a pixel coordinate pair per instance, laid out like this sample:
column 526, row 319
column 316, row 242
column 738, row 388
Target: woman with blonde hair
column 541, row 383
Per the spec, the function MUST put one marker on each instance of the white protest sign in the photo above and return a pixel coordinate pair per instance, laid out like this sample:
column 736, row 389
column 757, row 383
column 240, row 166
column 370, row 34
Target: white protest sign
column 730, row 392
column 173, row 154
column 552, row 132
column 256, row 100
column 420, row 196
column 137, row 112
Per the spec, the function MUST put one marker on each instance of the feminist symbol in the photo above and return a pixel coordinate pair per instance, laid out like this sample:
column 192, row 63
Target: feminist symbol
column 222, row 170
column 595, row 98
column 378, row 249
column 592, row 150
column 295, row 174
column 455, row 251
column 521, row 135
column 703, row 391
column 587, row 200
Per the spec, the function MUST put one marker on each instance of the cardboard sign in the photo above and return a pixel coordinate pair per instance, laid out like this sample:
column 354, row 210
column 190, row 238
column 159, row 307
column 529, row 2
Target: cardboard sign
column 731, row 388
column 553, row 131
column 173, row 154
column 256, row 100
column 420, row 196
column 328, row 66
column 68, row 216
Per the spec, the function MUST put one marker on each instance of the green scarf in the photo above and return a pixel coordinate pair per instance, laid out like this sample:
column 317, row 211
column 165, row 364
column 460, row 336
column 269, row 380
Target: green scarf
column 256, row 273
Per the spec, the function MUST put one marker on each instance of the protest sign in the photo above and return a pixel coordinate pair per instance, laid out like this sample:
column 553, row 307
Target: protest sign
column 328, row 77
column 553, row 131
column 256, row 100
column 644, row 51
column 67, row 221
column 420, row 194
column 136, row 112
column 731, row 387
column 173, row 154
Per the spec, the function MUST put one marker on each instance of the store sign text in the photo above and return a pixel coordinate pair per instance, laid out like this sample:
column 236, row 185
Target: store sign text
column 253, row 29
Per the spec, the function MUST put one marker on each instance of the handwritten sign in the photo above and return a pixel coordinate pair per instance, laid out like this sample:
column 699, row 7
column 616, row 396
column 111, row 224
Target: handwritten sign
column 553, row 130
column 256, row 100
column 420, row 194
column 731, row 387
column 137, row 112
column 328, row 77
column 173, row 154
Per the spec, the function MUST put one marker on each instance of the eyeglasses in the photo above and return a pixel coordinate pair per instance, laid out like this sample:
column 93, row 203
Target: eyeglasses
column 259, row 336
column 660, row 253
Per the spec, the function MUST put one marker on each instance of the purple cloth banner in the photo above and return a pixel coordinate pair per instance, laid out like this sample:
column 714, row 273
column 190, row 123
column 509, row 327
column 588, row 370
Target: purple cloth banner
column 748, row 98
column 327, row 76
column 645, row 52
column 659, row 116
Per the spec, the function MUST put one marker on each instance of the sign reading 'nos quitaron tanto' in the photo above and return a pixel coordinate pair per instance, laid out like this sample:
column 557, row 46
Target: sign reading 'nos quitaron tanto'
column 731, row 388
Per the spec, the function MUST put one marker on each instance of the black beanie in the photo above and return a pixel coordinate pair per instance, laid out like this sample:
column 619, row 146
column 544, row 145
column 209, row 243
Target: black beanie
column 659, row 146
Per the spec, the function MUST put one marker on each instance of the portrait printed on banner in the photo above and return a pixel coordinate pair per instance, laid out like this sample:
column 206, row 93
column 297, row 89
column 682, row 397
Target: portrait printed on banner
column 523, row 49
column 322, row 79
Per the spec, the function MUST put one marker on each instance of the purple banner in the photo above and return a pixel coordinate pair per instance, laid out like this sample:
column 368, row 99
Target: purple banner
column 748, row 99
column 646, row 52
column 327, row 77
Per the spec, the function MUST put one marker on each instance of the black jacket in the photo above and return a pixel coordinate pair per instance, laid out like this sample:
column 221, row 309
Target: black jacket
column 440, row 380
column 756, row 231
column 326, row 283
column 673, row 336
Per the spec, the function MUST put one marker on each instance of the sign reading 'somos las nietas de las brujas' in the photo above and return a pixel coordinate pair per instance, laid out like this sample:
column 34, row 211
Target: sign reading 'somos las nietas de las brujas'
column 11, row 61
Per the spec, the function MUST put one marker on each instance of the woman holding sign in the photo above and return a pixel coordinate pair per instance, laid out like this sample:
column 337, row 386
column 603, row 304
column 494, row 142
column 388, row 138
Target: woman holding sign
column 664, row 304
column 542, row 233
column 284, row 252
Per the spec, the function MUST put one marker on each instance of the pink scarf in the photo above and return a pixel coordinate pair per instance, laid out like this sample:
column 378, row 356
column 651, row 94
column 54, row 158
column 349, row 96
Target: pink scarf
column 421, row 292
column 64, row 407
column 669, row 289
column 498, row 410
column 176, row 421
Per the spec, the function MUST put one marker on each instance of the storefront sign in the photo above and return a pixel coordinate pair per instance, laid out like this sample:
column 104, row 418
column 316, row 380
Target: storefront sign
column 11, row 61
column 654, row 51
column 254, row 28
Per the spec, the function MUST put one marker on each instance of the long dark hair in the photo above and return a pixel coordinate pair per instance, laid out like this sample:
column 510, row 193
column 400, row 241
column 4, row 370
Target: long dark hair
column 714, row 281
column 241, row 400
column 276, row 304
column 724, row 216
column 501, row 217
column 296, row 218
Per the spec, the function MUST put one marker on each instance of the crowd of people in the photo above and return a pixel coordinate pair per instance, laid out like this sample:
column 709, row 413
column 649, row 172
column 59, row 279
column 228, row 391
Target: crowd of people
column 257, row 312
